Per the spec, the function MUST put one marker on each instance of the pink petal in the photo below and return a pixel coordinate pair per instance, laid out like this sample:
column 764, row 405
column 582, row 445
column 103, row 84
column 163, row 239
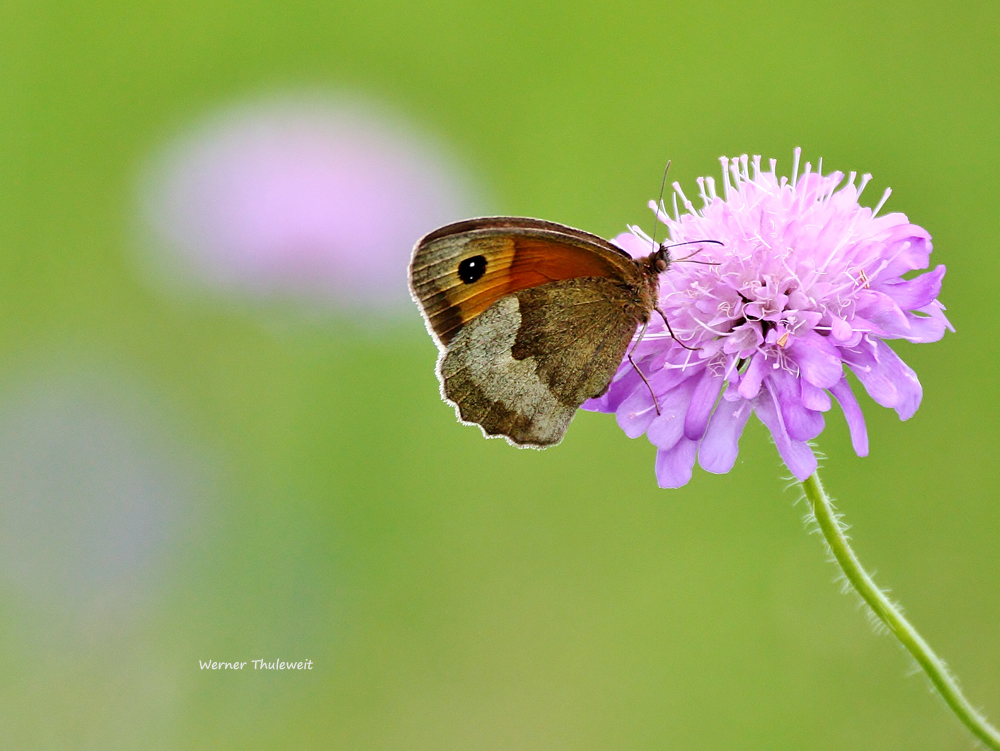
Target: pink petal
column 886, row 378
column 703, row 399
column 855, row 418
column 797, row 455
column 801, row 423
column 925, row 329
column 625, row 385
column 668, row 427
column 908, row 248
column 674, row 465
column 636, row 412
column 719, row 448
column 750, row 381
column 910, row 294
column 817, row 358
column 842, row 330
column 882, row 311
column 814, row 398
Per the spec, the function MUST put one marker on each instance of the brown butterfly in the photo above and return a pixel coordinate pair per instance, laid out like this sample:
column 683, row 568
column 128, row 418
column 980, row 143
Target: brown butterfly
column 532, row 319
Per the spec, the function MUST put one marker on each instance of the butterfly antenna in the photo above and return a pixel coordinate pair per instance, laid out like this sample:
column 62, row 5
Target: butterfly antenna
column 659, row 202
column 656, row 403
column 692, row 255
column 694, row 242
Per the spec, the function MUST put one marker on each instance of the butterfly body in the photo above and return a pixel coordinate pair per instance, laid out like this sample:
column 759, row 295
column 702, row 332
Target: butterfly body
column 532, row 319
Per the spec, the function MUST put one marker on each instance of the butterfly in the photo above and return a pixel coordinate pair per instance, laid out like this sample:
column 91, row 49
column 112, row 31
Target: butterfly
column 531, row 317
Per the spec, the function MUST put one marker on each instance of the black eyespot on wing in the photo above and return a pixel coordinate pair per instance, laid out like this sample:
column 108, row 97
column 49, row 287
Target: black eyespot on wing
column 472, row 269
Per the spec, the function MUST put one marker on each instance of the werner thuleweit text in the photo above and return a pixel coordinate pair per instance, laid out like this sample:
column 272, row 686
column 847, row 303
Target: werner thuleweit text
column 257, row 665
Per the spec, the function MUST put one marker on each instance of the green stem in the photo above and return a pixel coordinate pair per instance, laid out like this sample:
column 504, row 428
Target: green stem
column 891, row 616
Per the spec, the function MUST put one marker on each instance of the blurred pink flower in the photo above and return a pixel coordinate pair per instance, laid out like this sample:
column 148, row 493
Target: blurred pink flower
column 301, row 199
column 807, row 281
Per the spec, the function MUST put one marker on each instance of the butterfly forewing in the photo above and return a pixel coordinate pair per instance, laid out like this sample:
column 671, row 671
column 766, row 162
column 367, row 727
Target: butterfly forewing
column 459, row 271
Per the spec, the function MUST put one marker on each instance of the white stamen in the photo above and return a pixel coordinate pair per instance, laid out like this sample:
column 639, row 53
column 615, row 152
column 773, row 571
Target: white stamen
column 684, row 199
column 833, row 186
column 725, row 176
column 819, row 167
column 795, row 165
column 641, row 234
column 731, row 368
column 701, row 191
column 687, row 360
column 675, row 366
column 885, row 197
column 886, row 261
column 711, row 187
column 677, row 213
column 865, row 179
column 713, row 331
column 744, row 160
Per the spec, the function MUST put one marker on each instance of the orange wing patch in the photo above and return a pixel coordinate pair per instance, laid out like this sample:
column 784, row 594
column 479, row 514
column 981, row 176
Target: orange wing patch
column 515, row 258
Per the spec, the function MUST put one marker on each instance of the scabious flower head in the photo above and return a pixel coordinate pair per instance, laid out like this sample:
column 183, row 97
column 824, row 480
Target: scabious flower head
column 806, row 282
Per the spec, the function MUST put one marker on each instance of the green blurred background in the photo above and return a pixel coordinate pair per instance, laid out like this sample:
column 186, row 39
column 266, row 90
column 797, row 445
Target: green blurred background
column 321, row 502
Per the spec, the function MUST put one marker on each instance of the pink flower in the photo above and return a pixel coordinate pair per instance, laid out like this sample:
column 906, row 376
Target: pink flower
column 806, row 282
column 307, row 199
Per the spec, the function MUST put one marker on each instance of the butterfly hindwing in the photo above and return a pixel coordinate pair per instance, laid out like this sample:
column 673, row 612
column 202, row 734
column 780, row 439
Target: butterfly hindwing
column 523, row 367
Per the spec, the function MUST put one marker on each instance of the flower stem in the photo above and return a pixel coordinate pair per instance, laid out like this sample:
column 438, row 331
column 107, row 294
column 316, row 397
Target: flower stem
column 890, row 614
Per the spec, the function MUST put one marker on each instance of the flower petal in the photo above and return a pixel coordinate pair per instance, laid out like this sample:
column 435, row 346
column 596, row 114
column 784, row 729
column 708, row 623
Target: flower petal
column 815, row 398
column 910, row 294
column 750, row 381
column 674, row 465
column 852, row 413
column 908, row 247
column 719, row 448
column 841, row 329
column 703, row 399
column 797, row 455
column 625, row 383
column 817, row 358
column 925, row 329
column 886, row 378
column 801, row 423
column 668, row 427
column 635, row 413
column 883, row 312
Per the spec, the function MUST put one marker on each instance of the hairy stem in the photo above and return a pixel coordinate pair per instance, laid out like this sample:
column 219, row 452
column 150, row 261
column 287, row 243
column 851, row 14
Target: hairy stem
column 891, row 616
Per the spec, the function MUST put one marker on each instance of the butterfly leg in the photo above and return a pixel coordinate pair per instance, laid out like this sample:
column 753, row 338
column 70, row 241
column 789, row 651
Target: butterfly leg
column 672, row 334
column 656, row 403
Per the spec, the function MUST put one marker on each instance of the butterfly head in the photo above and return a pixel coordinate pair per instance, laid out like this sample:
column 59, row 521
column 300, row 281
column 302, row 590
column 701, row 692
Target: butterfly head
column 659, row 260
